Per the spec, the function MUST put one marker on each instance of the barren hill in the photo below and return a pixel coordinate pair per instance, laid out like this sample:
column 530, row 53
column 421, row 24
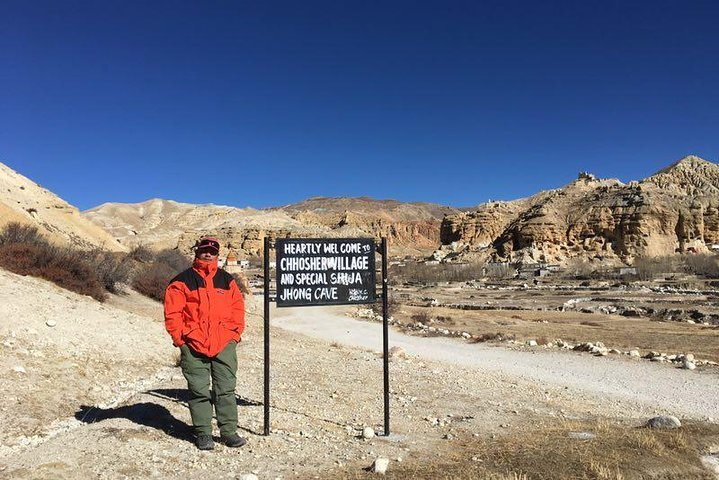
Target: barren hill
column 411, row 227
column 675, row 210
column 22, row 200
column 414, row 224
column 167, row 224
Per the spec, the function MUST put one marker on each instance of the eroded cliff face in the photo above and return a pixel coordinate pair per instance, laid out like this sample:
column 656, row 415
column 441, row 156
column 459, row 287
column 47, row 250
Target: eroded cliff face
column 674, row 211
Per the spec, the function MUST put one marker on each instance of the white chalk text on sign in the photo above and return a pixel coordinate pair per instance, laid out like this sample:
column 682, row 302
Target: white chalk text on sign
column 322, row 271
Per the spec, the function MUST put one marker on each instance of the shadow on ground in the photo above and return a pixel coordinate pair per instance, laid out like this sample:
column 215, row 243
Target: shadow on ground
column 153, row 415
column 182, row 395
column 145, row 413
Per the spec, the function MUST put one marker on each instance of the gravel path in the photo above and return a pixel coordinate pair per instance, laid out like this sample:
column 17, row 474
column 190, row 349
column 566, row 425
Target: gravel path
column 687, row 393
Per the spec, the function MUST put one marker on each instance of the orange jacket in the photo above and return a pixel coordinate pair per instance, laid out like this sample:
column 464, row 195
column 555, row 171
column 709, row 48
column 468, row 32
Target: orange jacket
column 204, row 308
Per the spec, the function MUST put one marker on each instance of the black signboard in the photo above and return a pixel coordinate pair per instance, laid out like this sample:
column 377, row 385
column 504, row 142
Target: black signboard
column 325, row 271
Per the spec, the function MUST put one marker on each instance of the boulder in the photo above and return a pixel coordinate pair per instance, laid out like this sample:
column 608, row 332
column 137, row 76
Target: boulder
column 664, row 422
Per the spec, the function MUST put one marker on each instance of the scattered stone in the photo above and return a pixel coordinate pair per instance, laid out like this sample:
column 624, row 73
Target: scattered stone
column 380, row 465
column 581, row 435
column 247, row 476
column 368, row 432
column 532, row 343
column 664, row 422
column 51, row 323
column 689, row 357
column 397, row 352
column 634, row 353
column 18, row 369
column 689, row 365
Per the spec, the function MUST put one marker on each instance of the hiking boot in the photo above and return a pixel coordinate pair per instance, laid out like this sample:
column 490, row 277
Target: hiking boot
column 233, row 440
column 204, row 442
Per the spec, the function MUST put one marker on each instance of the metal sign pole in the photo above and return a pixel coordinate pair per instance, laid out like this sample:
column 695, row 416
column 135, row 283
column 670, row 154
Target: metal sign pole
column 385, row 336
column 267, row 336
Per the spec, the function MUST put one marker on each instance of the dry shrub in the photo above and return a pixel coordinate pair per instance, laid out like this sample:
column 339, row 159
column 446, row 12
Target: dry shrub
column 649, row 268
column 702, row 264
column 443, row 272
column 18, row 233
column 491, row 337
column 392, row 305
column 111, row 268
column 141, row 254
column 151, row 278
column 421, row 317
column 590, row 323
column 23, row 250
column 173, row 259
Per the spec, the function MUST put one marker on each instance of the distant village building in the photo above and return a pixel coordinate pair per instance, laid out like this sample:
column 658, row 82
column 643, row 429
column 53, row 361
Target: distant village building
column 625, row 271
column 232, row 264
column 231, row 259
column 529, row 270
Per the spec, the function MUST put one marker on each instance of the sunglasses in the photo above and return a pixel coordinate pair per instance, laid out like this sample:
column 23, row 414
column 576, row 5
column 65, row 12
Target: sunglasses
column 208, row 243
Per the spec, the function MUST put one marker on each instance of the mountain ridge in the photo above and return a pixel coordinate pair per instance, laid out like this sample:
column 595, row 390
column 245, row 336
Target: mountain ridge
column 676, row 210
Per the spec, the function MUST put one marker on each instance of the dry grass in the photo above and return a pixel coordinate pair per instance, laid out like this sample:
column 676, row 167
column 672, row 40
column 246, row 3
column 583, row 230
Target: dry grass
column 550, row 451
column 613, row 330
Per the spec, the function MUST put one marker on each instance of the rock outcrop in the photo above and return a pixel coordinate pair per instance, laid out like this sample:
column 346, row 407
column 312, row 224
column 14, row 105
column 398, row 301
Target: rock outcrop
column 414, row 225
column 674, row 211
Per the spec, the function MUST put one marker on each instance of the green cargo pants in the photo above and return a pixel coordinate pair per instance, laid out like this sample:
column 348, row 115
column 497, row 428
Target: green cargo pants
column 198, row 370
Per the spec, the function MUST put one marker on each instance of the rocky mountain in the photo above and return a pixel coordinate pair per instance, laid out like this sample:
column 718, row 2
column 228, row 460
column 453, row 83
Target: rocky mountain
column 22, row 200
column 411, row 227
column 675, row 210
column 408, row 225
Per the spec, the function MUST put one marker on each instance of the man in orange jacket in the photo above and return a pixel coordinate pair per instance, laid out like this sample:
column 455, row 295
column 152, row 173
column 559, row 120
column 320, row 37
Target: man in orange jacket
column 205, row 316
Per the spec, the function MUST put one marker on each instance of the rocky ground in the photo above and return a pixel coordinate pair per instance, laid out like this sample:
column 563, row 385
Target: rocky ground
column 690, row 302
column 92, row 390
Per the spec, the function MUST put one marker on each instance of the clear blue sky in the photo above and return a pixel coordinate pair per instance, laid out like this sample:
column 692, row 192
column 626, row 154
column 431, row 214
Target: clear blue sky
column 267, row 103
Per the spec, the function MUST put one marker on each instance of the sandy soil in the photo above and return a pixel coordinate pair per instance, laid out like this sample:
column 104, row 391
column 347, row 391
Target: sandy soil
column 98, row 394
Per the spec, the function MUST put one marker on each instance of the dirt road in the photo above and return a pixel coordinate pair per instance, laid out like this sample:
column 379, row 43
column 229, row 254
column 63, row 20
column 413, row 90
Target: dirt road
column 687, row 393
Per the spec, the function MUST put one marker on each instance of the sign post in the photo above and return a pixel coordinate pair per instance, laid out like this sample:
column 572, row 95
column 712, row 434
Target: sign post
column 385, row 336
column 267, row 336
column 325, row 271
